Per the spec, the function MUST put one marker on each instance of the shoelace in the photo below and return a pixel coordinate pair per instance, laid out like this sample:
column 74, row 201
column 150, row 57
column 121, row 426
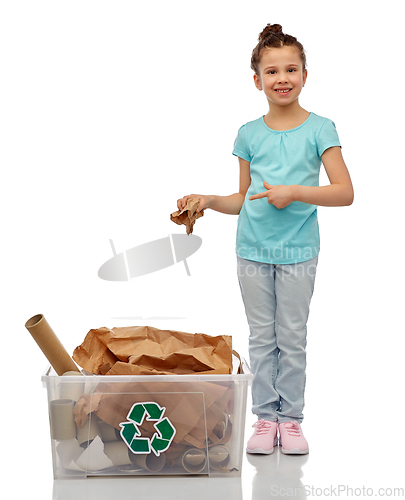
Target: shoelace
column 263, row 426
column 293, row 428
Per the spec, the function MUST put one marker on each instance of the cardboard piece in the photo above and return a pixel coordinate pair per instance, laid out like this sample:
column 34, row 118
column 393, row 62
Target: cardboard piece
column 94, row 458
column 188, row 215
column 145, row 350
column 69, row 451
column 50, row 345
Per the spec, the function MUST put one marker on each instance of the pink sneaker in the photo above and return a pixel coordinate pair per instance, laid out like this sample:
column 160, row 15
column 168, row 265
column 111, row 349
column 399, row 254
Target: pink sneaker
column 264, row 438
column 292, row 440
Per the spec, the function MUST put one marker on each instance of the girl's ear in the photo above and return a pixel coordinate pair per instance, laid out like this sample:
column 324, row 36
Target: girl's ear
column 257, row 81
column 304, row 79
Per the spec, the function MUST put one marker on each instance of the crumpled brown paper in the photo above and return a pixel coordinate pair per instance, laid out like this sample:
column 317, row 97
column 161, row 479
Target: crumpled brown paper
column 199, row 411
column 145, row 350
column 188, row 215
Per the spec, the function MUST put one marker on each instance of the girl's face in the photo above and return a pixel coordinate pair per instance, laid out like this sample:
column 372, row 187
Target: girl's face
column 281, row 75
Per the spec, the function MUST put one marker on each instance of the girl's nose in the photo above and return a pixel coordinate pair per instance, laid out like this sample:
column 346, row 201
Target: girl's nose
column 283, row 78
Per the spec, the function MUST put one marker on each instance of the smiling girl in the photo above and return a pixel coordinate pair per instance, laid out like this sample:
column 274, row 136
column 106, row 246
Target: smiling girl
column 277, row 242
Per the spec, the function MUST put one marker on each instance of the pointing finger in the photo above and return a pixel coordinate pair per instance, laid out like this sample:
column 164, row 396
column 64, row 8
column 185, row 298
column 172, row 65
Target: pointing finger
column 257, row 196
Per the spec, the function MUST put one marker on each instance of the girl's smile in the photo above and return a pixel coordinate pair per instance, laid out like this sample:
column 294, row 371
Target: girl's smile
column 284, row 91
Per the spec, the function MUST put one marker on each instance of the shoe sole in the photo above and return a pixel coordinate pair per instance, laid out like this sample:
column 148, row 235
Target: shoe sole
column 261, row 451
column 294, row 451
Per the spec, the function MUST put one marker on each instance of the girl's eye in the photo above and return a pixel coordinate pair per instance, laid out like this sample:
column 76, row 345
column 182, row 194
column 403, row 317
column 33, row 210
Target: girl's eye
column 273, row 71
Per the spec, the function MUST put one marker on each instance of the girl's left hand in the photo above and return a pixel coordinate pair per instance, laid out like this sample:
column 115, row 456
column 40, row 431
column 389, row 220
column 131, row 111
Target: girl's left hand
column 279, row 196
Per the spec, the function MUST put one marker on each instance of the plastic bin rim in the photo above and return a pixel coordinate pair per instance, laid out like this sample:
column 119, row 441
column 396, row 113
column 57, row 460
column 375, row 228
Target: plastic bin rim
column 237, row 377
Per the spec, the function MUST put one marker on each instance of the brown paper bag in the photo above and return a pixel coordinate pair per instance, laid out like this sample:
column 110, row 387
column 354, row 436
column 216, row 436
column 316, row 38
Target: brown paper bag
column 145, row 350
column 188, row 215
column 198, row 411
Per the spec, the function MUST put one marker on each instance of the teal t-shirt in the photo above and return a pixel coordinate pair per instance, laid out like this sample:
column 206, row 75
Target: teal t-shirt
column 291, row 234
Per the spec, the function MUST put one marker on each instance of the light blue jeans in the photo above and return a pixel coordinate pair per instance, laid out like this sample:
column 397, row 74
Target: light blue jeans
column 276, row 299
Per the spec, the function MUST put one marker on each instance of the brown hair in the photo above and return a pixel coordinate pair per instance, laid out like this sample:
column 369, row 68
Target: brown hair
column 273, row 36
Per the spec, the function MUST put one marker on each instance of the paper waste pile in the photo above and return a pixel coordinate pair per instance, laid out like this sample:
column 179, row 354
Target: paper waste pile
column 178, row 420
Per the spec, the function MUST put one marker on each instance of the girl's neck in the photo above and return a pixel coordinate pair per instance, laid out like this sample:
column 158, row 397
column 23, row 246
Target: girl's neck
column 285, row 117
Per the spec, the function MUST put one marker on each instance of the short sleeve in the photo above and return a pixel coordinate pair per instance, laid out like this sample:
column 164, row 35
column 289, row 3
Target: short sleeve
column 327, row 137
column 240, row 147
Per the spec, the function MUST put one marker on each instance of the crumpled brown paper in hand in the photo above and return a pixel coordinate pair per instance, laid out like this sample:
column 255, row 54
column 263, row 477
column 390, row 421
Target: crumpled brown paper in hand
column 188, row 215
column 145, row 350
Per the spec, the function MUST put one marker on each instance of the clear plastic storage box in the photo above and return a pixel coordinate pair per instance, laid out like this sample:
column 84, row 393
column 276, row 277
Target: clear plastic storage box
column 147, row 424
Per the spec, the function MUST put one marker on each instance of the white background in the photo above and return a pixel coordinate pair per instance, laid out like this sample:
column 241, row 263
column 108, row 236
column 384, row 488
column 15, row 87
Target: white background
column 110, row 111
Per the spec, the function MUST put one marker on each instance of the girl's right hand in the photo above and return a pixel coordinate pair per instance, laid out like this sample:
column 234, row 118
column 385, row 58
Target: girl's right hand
column 203, row 201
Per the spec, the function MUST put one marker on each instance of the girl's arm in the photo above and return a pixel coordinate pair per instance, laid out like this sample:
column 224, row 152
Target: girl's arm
column 339, row 193
column 225, row 204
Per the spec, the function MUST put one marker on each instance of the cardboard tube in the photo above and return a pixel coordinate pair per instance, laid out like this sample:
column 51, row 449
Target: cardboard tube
column 88, row 432
column 71, row 390
column 150, row 462
column 50, row 345
column 117, row 452
column 194, row 460
column 108, row 432
column 61, row 416
column 218, row 456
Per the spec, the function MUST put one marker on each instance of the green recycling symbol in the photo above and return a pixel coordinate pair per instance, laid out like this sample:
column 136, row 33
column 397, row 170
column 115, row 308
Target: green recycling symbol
column 161, row 439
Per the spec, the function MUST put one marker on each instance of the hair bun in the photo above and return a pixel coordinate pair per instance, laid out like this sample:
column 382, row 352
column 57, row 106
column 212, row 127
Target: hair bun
column 269, row 30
